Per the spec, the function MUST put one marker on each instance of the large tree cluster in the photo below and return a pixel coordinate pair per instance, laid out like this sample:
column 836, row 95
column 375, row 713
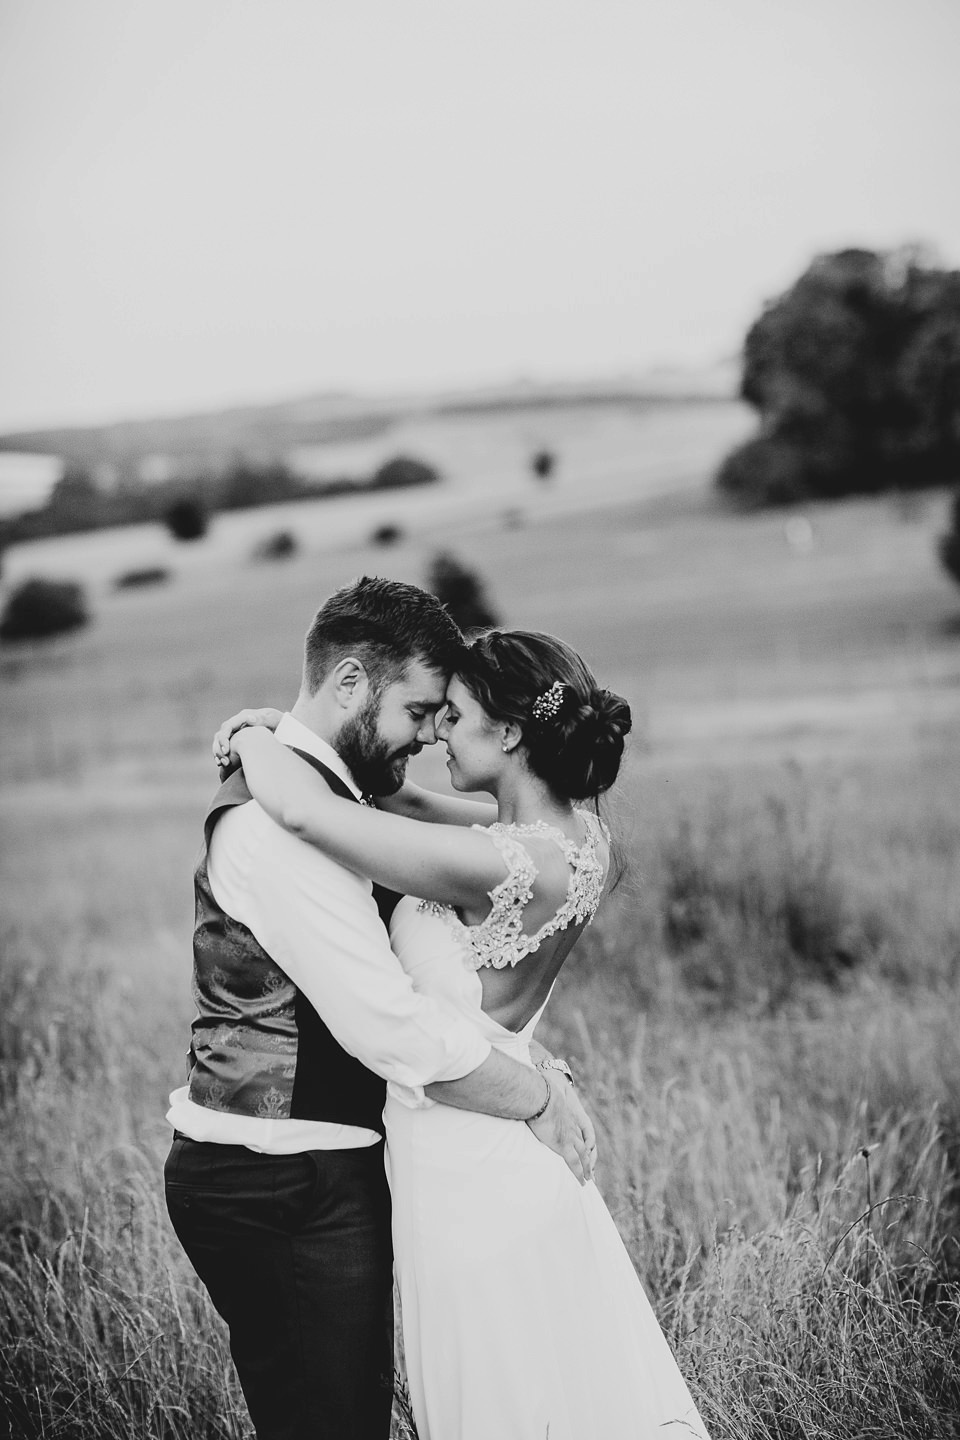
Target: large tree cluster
column 855, row 373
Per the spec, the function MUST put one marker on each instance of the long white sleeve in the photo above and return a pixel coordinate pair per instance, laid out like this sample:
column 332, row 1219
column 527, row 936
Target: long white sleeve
column 319, row 922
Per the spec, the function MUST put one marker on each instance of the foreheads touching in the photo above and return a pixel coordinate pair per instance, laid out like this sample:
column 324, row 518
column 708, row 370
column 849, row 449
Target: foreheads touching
column 376, row 662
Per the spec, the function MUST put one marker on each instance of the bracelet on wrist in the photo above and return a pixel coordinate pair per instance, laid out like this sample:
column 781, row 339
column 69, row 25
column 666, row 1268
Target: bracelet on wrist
column 530, row 1118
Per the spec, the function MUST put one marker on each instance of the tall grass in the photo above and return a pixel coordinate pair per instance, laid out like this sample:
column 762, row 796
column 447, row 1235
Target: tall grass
column 105, row 1331
column 780, row 1129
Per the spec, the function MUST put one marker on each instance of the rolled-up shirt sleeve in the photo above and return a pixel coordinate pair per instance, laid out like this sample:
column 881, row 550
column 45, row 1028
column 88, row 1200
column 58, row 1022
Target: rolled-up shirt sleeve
column 319, row 922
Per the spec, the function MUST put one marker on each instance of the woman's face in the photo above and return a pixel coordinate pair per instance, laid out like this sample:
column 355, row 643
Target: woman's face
column 473, row 740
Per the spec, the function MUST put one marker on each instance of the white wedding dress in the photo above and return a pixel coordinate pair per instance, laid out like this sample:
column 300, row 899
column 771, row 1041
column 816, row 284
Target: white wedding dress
column 523, row 1317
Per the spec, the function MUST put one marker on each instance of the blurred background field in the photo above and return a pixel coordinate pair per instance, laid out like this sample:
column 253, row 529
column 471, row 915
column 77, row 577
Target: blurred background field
column 488, row 279
column 765, row 1020
column 724, row 629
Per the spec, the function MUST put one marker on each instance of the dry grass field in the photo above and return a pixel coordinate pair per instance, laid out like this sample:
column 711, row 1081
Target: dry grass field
column 765, row 1020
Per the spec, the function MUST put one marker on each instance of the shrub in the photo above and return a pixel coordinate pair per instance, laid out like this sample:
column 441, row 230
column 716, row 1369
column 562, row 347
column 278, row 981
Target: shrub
column 138, row 579
column 187, row 519
column 282, row 545
column 950, row 542
column 75, row 499
column 763, row 471
column 41, row 608
column 248, row 484
column 461, row 591
column 403, row 470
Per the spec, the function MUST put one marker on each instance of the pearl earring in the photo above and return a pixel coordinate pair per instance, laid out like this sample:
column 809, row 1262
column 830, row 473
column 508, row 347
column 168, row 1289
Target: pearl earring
column 505, row 748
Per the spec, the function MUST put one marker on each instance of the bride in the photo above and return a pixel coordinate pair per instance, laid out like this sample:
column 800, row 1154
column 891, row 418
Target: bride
column 522, row 1314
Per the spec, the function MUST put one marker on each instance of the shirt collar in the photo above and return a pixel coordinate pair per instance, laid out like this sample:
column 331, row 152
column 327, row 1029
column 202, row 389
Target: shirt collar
column 294, row 733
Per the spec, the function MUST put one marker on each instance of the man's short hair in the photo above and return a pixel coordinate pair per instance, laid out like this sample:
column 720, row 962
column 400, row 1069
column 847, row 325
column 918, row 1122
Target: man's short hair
column 385, row 624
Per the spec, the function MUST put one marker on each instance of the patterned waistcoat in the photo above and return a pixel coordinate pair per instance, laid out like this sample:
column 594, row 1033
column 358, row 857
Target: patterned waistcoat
column 258, row 1047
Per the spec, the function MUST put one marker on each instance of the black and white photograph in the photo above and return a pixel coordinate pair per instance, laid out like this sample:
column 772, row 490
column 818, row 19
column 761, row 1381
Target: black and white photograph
column 480, row 760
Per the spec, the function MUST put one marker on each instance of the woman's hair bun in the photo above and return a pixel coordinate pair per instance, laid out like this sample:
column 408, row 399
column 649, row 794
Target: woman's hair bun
column 584, row 757
column 613, row 712
column 573, row 731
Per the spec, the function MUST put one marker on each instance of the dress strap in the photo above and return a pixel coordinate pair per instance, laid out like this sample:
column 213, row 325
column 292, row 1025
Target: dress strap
column 521, row 867
column 596, row 828
column 498, row 939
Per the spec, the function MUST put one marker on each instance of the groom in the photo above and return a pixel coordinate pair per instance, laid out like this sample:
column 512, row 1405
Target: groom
column 275, row 1181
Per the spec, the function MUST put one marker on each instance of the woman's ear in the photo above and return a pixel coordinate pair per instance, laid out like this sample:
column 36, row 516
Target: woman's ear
column 510, row 736
column 350, row 682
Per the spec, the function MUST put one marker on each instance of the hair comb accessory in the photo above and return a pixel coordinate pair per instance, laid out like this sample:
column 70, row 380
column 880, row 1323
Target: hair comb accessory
column 547, row 706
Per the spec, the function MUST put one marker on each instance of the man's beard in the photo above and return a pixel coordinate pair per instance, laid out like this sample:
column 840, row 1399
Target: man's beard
column 376, row 769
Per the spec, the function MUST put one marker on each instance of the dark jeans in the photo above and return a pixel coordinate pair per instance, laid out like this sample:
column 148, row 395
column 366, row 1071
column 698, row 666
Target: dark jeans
column 295, row 1252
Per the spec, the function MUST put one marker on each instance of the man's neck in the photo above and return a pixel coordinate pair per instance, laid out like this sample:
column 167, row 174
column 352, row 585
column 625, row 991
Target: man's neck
column 309, row 715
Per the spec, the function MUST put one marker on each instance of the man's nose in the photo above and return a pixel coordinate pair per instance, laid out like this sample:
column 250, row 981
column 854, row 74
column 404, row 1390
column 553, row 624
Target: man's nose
column 427, row 734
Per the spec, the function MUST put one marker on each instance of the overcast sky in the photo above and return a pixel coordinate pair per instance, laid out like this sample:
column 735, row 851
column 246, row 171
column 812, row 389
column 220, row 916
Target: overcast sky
column 217, row 200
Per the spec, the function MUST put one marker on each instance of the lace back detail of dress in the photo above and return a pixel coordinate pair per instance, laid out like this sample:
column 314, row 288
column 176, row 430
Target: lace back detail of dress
column 499, row 940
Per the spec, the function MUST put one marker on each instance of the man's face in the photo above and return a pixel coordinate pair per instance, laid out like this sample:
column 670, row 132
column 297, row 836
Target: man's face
column 379, row 739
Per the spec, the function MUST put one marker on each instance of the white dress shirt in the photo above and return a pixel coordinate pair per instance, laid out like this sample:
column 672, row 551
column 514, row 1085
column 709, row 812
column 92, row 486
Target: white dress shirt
column 319, row 922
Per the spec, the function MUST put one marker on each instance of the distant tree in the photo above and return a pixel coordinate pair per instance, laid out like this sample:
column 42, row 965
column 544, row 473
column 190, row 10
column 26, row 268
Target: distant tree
column 403, row 470
column 387, row 534
column 767, row 470
column 75, row 501
column 140, row 579
column 929, row 373
column 855, row 372
column 543, row 463
column 38, row 609
column 461, row 591
column 75, row 487
column 247, row 484
column 281, row 545
column 187, row 519
column 950, row 542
